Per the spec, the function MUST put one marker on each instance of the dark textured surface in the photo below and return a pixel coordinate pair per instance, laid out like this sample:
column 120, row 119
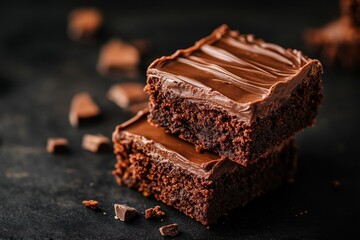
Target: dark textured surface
column 41, row 69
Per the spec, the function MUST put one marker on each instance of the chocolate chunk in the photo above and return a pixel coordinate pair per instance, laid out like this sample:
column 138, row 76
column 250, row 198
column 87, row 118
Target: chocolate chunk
column 57, row 145
column 153, row 212
column 169, row 230
column 118, row 56
column 84, row 23
column 96, row 143
column 93, row 204
column 124, row 212
column 82, row 109
column 126, row 94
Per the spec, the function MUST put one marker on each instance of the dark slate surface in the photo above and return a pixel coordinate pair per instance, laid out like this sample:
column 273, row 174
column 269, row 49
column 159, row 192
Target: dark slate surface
column 41, row 69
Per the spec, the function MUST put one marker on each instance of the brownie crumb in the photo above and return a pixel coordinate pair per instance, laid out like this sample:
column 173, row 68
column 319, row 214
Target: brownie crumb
column 153, row 212
column 96, row 143
column 149, row 213
column 82, row 109
column 124, row 213
column 57, row 145
column 93, row 204
column 169, row 230
column 84, row 23
column 335, row 184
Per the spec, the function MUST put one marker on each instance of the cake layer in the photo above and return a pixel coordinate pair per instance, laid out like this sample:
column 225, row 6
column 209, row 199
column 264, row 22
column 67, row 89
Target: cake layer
column 228, row 91
column 201, row 185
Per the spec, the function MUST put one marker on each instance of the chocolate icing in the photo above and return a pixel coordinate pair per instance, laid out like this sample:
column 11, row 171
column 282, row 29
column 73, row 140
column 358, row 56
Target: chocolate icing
column 167, row 147
column 234, row 72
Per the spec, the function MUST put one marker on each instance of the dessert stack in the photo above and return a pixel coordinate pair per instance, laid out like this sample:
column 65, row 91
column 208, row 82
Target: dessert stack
column 219, row 128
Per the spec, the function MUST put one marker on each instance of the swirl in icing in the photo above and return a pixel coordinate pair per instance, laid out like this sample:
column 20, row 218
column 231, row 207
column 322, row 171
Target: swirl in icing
column 231, row 70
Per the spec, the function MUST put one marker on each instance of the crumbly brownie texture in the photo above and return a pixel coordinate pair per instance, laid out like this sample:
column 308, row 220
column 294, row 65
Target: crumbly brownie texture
column 93, row 204
column 234, row 95
column 153, row 212
column 198, row 184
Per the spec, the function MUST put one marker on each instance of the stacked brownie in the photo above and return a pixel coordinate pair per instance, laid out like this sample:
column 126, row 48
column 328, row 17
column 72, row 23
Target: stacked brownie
column 220, row 124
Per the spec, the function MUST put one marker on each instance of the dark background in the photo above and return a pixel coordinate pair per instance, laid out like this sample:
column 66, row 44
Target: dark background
column 41, row 69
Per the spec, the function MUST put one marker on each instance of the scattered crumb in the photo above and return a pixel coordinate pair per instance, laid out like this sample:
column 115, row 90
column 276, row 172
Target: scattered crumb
column 93, row 204
column 153, row 212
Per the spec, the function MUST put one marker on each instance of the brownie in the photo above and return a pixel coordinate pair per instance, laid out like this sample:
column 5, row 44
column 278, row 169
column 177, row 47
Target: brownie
column 202, row 185
column 234, row 95
column 338, row 42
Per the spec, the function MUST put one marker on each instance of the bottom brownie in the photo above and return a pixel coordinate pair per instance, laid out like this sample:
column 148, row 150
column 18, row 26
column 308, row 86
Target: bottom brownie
column 201, row 185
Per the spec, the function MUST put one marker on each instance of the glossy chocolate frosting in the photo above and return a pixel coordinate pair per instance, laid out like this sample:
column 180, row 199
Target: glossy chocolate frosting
column 166, row 147
column 234, row 72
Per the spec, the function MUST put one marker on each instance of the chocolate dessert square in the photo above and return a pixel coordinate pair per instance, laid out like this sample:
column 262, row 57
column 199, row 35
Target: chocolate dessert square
column 234, row 94
column 203, row 185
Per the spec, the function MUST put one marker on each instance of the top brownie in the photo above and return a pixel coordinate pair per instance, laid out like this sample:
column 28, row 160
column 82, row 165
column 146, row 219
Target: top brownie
column 234, row 94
